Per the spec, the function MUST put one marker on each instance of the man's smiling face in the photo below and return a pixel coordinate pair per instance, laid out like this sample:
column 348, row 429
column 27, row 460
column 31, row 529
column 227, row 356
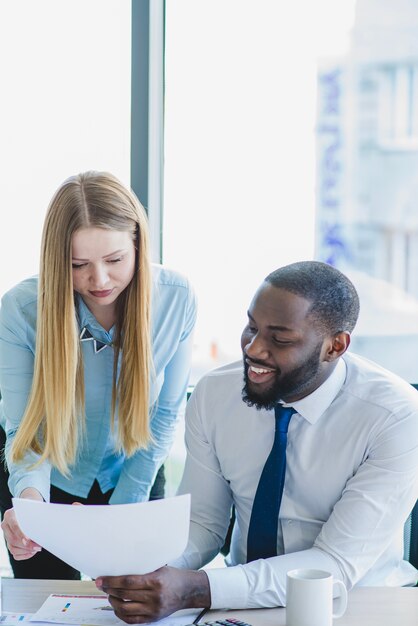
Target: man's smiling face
column 283, row 350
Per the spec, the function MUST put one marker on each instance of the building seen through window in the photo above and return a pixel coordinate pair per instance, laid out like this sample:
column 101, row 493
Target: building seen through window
column 315, row 159
column 367, row 180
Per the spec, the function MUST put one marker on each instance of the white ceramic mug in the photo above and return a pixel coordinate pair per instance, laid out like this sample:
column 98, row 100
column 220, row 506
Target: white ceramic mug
column 309, row 598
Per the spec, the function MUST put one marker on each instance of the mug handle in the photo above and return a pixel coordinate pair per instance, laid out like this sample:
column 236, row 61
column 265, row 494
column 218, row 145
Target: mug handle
column 342, row 600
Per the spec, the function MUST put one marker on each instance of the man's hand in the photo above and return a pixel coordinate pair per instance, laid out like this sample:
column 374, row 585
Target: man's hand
column 146, row 598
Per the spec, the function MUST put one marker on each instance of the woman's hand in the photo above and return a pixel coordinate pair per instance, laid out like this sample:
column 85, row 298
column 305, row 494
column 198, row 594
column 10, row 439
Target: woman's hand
column 20, row 546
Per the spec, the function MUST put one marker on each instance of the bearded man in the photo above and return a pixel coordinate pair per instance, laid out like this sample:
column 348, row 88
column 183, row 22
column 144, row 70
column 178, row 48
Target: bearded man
column 316, row 448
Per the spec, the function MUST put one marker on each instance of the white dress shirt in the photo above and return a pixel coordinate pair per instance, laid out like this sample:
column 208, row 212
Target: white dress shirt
column 351, row 481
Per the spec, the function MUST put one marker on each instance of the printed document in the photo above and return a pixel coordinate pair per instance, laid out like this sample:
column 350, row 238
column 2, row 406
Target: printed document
column 109, row 540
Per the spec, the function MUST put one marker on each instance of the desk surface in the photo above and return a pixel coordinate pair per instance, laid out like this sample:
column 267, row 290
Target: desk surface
column 367, row 606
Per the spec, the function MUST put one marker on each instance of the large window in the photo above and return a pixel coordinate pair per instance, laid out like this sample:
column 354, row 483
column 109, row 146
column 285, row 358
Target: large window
column 240, row 148
column 275, row 119
column 65, row 108
column 240, row 117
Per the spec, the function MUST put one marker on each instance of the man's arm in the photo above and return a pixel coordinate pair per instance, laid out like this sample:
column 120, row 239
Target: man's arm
column 147, row 598
column 362, row 526
column 155, row 595
column 211, row 494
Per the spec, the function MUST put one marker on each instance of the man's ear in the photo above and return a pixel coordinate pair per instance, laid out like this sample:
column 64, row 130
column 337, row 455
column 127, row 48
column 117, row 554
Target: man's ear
column 337, row 345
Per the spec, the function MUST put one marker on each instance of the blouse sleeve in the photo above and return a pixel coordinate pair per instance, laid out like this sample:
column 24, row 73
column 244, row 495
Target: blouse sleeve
column 139, row 471
column 16, row 374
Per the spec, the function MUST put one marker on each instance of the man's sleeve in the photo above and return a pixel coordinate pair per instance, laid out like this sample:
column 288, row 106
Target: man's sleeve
column 211, row 497
column 364, row 522
column 376, row 501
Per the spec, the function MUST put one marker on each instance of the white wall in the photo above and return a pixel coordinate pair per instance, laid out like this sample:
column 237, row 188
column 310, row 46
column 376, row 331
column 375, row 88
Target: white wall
column 65, row 108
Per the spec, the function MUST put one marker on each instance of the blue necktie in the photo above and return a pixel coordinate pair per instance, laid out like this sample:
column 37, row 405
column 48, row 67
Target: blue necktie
column 262, row 531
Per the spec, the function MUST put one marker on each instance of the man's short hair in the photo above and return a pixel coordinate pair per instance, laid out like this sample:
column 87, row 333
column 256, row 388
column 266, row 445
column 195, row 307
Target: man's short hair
column 335, row 302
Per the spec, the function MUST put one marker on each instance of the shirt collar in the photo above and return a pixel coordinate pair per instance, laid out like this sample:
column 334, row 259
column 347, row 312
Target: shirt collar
column 86, row 319
column 316, row 403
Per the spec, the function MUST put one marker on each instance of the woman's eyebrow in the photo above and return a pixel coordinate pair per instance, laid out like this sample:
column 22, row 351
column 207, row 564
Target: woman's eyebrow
column 75, row 258
column 113, row 253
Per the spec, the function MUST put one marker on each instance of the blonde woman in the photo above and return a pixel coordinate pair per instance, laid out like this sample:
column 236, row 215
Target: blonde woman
column 94, row 363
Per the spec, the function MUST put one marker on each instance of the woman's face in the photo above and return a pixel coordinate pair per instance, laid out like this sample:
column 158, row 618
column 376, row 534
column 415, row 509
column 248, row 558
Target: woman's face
column 103, row 265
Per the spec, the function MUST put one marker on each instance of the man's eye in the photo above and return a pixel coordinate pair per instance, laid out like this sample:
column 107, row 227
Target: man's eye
column 281, row 342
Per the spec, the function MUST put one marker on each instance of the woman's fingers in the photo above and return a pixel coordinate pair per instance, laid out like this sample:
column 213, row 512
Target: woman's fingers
column 20, row 546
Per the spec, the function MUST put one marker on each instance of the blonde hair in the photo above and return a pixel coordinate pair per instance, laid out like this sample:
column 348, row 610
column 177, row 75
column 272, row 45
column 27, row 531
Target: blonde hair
column 53, row 421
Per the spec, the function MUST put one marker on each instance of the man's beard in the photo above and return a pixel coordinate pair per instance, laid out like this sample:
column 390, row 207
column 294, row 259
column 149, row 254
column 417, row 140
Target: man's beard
column 293, row 384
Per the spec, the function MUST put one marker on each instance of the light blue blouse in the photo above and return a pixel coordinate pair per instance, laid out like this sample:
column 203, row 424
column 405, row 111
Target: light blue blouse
column 173, row 318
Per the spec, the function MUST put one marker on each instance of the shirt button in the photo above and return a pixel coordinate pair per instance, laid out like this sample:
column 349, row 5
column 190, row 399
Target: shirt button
column 289, row 522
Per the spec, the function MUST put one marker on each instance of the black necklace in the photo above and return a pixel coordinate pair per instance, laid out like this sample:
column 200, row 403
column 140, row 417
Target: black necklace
column 86, row 335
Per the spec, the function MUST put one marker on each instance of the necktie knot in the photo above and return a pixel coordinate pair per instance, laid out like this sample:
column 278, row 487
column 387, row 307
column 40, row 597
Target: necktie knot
column 283, row 415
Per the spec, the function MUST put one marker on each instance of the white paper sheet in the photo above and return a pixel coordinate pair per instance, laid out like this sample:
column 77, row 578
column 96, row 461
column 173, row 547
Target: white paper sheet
column 72, row 609
column 92, row 611
column 14, row 619
column 103, row 540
